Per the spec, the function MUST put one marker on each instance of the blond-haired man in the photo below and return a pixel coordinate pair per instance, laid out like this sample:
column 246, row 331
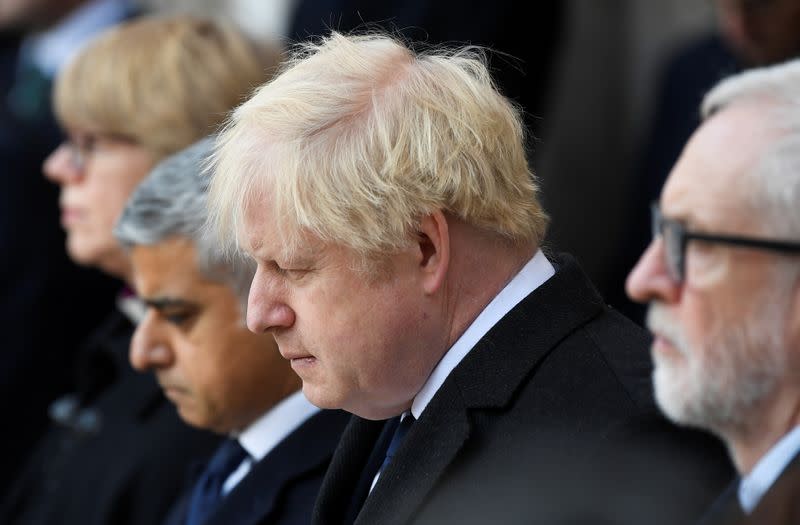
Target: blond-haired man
column 387, row 200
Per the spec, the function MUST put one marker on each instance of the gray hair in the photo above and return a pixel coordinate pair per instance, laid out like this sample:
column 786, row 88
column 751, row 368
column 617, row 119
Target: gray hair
column 776, row 180
column 171, row 202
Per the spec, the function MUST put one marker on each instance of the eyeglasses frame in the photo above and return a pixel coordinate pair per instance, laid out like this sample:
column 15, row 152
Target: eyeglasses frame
column 676, row 264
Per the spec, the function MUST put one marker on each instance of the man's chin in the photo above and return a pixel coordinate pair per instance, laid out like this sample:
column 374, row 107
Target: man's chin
column 319, row 397
column 672, row 394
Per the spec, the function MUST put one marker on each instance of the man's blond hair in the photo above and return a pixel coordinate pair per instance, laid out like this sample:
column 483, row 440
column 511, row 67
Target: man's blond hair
column 359, row 137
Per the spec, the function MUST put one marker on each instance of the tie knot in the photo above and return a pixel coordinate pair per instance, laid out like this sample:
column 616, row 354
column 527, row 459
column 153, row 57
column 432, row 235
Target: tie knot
column 207, row 492
column 227, row 457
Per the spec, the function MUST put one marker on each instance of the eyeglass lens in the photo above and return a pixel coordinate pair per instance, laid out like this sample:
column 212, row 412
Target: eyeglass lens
column 673, row 236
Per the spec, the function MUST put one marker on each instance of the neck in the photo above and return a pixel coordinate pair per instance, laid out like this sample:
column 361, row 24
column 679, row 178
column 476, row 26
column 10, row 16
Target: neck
column 477, row 279
column 764, row 429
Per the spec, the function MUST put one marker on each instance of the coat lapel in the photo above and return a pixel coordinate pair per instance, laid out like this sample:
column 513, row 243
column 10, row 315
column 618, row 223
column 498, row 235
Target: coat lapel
column 726, row 510
column 307, row 449
column 345, row 470
column 486, row 378
column 506, row 356
column 781, row 504
column 430, row 446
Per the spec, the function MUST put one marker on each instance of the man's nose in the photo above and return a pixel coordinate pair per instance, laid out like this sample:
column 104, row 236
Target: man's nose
column 149, row 349
column 650, row 279
column 266, row 306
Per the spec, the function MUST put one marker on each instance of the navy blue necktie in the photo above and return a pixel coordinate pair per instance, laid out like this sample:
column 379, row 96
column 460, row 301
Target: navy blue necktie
column 397, row 439
column 207, row 492
column 398, row 430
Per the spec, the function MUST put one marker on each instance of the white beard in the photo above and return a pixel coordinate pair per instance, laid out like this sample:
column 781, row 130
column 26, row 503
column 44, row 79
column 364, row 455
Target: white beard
column 717, row 384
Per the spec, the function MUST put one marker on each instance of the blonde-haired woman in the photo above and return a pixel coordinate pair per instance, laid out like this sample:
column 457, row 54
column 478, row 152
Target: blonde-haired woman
column 118, row 452
column 141, row 92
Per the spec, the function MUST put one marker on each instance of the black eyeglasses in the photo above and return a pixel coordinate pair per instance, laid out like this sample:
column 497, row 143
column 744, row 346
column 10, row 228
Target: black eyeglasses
column 676, row 237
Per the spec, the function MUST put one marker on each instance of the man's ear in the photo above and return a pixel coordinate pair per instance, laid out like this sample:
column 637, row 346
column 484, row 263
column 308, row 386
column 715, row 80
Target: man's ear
column 434, row 250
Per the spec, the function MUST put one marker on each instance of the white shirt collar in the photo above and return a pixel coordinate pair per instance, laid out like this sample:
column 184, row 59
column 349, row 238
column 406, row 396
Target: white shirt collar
column 52, row 49
column 267, row 431
column 533, row 274
column 768, row 469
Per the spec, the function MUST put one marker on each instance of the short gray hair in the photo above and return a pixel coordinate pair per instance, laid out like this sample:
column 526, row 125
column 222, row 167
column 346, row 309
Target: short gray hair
column 776, row 179
column 172, row 202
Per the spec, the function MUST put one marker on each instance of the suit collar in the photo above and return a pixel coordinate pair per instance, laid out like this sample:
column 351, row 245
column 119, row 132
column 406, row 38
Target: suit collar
column 484, row 379
column 567, row 301
column 344, row 473
column 269, row 429
column 726, row 509
column 307, row 449
column 446, row 426
column 781, row 505
column 768, row 469
column 535, row 272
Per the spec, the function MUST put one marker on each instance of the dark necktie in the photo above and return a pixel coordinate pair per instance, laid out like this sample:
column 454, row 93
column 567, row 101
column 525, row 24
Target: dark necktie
column 381, row 453
column 397, row 439
column 207, row 492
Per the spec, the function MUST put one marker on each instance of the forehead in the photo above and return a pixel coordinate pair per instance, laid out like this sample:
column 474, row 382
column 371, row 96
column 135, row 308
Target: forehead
column 265, row 235
column 709, row 185
column 258, row 222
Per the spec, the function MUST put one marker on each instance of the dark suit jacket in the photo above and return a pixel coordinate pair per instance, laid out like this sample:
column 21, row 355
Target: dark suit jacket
column 779, row 506
column 282, row 487
column 120, row 459
column 549, row 419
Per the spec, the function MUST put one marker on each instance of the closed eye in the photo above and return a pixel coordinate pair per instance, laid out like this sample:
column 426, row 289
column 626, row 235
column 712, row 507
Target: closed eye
column 179, row 318
column 176, row 311
column 291, row 273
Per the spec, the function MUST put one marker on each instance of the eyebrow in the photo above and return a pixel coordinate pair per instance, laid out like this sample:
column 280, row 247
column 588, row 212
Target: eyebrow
column 163, row 303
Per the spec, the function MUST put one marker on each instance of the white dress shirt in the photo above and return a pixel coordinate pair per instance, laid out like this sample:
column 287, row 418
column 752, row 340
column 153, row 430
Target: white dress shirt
column 530, row 277
column 266, row 432
column 768, row 469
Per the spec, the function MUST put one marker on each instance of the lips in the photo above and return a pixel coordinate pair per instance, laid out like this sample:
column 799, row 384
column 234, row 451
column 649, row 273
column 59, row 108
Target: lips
column 170, row 389
column 298, row 360
column 291, row 355
column 70, row 215
column 661, row 342
column 298, row 357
